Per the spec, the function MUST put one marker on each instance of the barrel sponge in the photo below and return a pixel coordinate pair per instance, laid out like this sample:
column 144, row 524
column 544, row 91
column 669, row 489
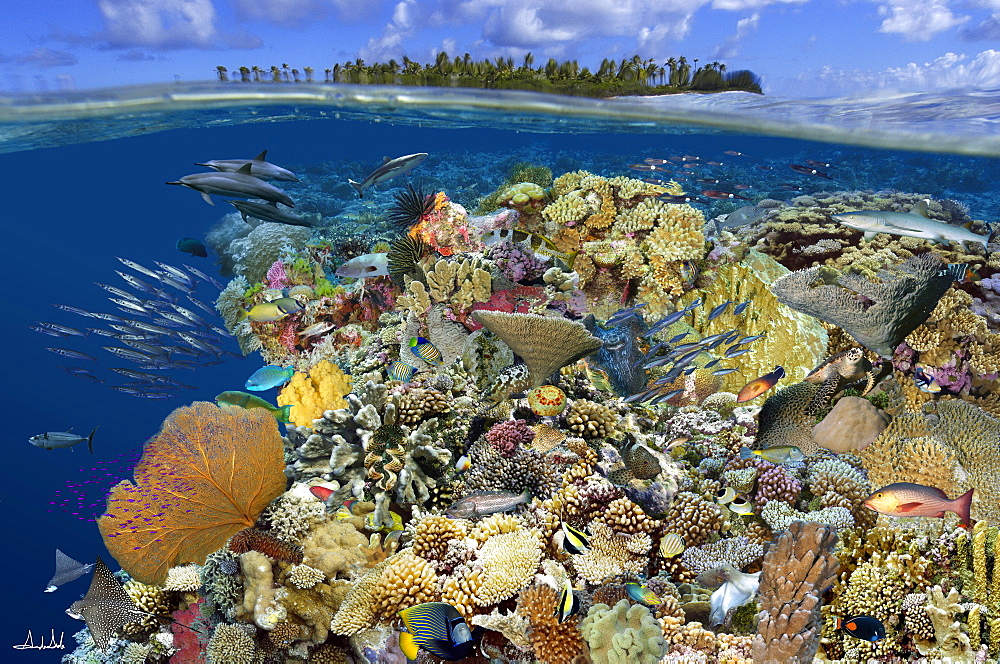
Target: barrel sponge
column 310, row 394
column 623, row 634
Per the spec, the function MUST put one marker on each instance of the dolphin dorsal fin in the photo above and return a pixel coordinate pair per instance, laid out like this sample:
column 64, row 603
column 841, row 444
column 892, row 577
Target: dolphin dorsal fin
column 921, row 209
column 385, row 160
column 244, row 169
column 261, row 157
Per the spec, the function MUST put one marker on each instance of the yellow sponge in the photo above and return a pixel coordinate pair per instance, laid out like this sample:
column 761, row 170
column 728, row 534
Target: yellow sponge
column 309, row 394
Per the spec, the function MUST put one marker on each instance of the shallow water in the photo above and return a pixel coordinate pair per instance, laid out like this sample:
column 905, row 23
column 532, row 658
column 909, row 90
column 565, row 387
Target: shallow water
column 84, row 174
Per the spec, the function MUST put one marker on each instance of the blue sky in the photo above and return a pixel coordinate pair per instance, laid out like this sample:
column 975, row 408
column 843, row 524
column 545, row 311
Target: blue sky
column 799, row 47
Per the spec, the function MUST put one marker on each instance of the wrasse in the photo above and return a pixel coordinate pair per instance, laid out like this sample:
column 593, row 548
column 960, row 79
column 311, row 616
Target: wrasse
column 758, row 386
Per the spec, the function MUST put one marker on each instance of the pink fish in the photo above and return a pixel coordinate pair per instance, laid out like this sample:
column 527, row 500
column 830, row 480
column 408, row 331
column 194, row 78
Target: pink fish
column 906, row 499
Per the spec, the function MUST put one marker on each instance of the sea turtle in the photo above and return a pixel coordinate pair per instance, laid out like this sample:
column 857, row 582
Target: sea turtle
column 836, row 373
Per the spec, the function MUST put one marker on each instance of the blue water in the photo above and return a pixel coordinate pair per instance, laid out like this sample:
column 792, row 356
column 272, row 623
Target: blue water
column 70, row 208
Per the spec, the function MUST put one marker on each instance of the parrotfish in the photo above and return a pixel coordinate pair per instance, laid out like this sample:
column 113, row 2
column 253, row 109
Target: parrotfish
column 438, row 628
column 906, row 499
column 244, row 400
column 190, row 245
column 758, row 386
column 269, row 377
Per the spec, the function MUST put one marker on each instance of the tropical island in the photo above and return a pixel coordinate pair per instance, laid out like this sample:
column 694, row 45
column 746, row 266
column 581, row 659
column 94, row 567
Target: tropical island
column 627, row 77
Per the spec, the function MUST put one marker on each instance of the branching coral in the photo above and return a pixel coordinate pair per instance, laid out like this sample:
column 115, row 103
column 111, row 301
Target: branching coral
column 553, row 642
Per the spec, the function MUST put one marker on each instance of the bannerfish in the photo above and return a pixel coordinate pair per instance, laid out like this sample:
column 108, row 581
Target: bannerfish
column 574, row 541
column 401, row 371
column 238, row 184
column 438, row 628
column 915, row 223
column 776, row 455
column 389, row 169
column 642, row 594
column 244, row 400
column 272, row 213
column 568, row 604
column 269, row 377
column 190, row 245
column 758, row 386
column 365, row 265
column 906, row 499
column 259, row 167
column 672, row 545
column 426, row 351
column 485, row 503
column 865, row 628
column 51, row 440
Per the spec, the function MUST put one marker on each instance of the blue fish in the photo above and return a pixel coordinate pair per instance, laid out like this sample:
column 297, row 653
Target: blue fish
column 401, row 371
column 741, row 307
column 438, row 628
column 733, row 352
column 719, row 310
column 426, row 351
column 189, row 245
column 642, row 594
column 723, row 372
column 680, row 336
column 270, row 376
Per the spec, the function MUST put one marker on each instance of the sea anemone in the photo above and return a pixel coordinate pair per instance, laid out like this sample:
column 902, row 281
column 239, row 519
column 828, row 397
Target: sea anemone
column 410, row 206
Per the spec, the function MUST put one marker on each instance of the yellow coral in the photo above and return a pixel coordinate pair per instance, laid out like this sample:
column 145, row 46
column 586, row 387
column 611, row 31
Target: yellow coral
column 406, row 581
column 322, row 388
column 509, row 562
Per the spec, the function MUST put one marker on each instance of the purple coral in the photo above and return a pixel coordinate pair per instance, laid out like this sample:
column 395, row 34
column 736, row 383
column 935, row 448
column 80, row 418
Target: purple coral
column 508, row 435
column 515, row 262
column 776, row 484
column 988, row 306
column 276, row 275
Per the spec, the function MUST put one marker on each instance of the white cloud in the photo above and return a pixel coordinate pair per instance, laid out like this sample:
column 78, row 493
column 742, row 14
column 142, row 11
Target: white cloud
column 46, row 57
column 918, row 20
column 390, row 44
column 987, row 30
column 738, row 5
column 949, row 71
column 158, row 23
column 744, row 27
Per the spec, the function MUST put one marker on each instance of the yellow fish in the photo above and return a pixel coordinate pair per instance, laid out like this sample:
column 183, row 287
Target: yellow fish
column 568, row 604
column 672, row 545
column 397, row 523
column 267, row 312
column 742, row 506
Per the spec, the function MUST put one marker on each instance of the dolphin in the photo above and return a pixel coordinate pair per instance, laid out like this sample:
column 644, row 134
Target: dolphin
column 914, row 223
column 239, row 184
column 268, row 212
column 259, row 168
column 389, row 169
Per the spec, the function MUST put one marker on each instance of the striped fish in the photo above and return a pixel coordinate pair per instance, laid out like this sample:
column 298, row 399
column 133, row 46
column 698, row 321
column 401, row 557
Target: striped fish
column 402, row 371
column 574, row 541
column 438, row 628
column 568, row 604
column 426, row 351
column 672, row 545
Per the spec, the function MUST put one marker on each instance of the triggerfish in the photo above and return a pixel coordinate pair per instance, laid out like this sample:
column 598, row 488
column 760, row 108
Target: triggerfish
column 642, row 594
column 865, row 628
column 925, row 381
column 438, row 628
column 758, row 386
column 568, row 604
column 426, row 351
column 244, row 400
column 270, row 376
column 189, row 245
column 776, row 455
column 268, row 312
column 906, row 499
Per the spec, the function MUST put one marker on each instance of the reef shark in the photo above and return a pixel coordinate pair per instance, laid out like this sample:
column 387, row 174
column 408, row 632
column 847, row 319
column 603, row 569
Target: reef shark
column 389, row 169
column 238, row 184
column 915, row 223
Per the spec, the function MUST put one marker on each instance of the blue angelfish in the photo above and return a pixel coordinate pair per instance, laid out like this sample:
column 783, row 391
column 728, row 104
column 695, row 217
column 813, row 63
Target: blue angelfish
column 438, row 628
column 426, row 351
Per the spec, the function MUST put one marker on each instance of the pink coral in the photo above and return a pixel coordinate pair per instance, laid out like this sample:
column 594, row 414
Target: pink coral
column 513, row 300
column 276, row 275
column 506, row 436
column 191, row 645
column 289, row 335
column 776, row 484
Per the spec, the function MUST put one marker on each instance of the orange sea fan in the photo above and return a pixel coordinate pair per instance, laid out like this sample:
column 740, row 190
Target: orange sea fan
column 206, row 475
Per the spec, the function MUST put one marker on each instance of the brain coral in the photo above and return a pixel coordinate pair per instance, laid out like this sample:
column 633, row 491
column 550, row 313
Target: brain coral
column 623, row 635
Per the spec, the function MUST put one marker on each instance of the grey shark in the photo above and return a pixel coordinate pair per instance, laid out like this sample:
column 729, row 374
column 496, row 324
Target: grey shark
column 51, row 440
column 914, row 223
column 239, row 184
column 389, row 169
column 268, row 212
column 259, row 168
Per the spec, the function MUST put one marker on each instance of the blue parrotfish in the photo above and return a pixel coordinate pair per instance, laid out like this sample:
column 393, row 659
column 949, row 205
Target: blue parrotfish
column 269, row 377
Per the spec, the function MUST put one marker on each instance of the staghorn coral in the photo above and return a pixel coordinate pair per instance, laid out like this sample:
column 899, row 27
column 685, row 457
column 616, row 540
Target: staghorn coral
column 780, row 515
column 736, row 551
column 797, row 568
column 310, row 394
column 623, row 634
column 552, row 641
column 207, row 474
column 878, row 315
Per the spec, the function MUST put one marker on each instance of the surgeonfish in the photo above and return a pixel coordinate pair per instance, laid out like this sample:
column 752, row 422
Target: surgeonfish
column 907, row 499
column 485, row 503
column 259, row 167
column 758, row 386
column 865, row 628
column 777, row 455
column 568, row 604
column 269, row 377
column 642, row 594
column 401, row 371
column 426, row 351
column 244, row 400
column 438, row 628
column 574, row 541
column 389, row 169
column 672, row 545
column 51, row 440
column 190, row 245
column 365, row 265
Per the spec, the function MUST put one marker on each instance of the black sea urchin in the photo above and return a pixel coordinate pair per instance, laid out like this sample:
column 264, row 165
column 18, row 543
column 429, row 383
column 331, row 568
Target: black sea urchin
column 410, row 205
column 403, row 256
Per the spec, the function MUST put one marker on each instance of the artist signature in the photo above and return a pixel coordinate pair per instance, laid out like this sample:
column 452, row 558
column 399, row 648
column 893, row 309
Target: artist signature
column 29, row 643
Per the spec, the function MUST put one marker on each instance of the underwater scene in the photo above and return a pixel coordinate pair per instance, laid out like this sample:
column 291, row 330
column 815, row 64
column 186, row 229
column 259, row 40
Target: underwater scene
column 370, row 381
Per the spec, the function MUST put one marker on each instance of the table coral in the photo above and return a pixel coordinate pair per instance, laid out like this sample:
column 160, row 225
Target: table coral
column 780, row 515
column 612, row 554
column 509, row 562
column 623, row 633
column 311, row 393
column 736, row 551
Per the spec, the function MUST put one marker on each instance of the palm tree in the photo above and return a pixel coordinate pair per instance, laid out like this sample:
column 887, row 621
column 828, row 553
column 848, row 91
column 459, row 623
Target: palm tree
column 328, row 75
column 284, row 71
column 275, row 74
column 295, row 75
column 222, row 73
column 309, row 74
column 529, row 60
column 255, row 70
